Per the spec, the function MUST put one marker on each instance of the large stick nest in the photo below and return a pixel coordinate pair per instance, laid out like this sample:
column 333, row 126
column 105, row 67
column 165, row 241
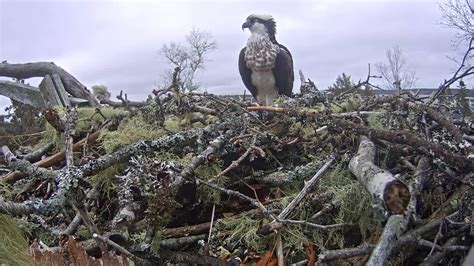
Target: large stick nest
column 157, row 173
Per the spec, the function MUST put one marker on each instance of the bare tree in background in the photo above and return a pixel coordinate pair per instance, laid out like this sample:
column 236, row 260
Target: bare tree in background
column 395, row 70
column 190, row 57
column 458, row 15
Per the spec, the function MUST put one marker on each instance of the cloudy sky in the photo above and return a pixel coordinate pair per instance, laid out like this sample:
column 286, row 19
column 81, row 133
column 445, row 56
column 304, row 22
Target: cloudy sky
column 116, row 43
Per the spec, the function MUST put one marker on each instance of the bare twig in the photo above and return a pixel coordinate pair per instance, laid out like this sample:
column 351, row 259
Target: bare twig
column 365, row 249
column 277, row 224
column 307, row 187
column 457, row 75
column 237, row 194
column 279, row 249
column 122, row 103
column 71, row 117
column 395, row 226
column 237, row 162
column 120, row 249
column 212, row 222
column 317, row 226
column 360, row 84
column 438, row 235
column 437, row 256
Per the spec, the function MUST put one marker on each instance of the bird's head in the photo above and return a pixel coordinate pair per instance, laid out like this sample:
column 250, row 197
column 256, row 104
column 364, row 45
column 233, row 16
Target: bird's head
column 260, row 24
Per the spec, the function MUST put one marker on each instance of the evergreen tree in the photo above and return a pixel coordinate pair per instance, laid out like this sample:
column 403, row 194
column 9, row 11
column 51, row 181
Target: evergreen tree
column 343, row 83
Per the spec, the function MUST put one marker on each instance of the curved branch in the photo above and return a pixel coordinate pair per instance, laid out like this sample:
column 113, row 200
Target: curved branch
column 41, row 69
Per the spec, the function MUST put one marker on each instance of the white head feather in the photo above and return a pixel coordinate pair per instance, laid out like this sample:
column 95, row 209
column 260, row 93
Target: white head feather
column 261, row 16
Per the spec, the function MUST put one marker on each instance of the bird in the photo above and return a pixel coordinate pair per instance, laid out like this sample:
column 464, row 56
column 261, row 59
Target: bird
column 265, row 66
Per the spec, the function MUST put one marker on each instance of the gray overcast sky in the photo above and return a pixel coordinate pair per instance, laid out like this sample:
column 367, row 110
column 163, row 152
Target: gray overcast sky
column 116, row 43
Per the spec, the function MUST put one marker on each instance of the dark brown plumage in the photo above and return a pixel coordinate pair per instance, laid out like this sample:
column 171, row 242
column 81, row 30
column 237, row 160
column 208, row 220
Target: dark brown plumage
column 266, row 67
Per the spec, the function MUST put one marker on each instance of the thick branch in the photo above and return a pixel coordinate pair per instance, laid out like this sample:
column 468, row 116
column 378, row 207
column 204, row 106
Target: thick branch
column 365, row 249
column 409, row 138
column 37, row 154
column 40, row 69
column 395, row 226
column 25, row 166
column 122, row 104
column 50, row 161
column 387, row 192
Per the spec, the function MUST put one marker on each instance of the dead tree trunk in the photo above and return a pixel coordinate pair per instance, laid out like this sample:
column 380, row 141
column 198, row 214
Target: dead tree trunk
column 41, row 69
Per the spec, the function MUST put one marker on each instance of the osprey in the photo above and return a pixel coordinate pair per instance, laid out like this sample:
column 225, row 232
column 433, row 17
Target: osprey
column 266, row 67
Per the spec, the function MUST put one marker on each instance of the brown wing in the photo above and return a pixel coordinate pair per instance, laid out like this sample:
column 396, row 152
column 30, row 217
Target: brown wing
column 245, row 73
column 283, row 71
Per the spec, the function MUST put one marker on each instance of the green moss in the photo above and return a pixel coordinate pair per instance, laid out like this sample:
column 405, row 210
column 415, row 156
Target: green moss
column 188, row 120
column 14, row 248
column 7, row 191
column 293, row 239
column 171, row 157
column 242, row 231
column 347, row 105
column 155, row 243
column 345, row 189
column 101, row 92
column 87, row 117
column 106, row 178
column 211, row 119
column 375, row 120
column 206, row 172
column 353, row 200
column 83, row 232
column 51, row 135
column 130, row 131
column 172, row 124
column 106, row 181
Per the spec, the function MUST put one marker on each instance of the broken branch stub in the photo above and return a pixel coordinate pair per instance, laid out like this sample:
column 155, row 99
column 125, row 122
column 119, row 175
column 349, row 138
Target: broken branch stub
column 387, row 192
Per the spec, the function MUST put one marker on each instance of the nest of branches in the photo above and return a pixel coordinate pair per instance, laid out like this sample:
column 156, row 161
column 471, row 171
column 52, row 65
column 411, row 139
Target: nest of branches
column 197, row 178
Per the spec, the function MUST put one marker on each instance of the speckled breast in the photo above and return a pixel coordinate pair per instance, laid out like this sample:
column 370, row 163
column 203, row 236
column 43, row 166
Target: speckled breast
column 260, row 58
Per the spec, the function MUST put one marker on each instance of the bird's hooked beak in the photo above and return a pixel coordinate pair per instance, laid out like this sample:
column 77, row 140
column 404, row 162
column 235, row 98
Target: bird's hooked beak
column 246, row 25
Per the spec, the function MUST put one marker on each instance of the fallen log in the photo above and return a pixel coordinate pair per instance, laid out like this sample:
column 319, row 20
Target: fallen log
column 388, row 193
